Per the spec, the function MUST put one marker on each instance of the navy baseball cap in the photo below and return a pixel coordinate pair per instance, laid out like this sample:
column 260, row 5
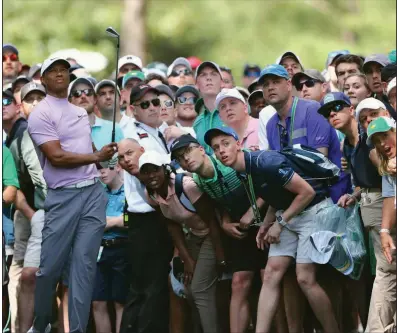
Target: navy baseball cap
column 332, row 99
column 251, row 70
column 211, row 133
column 182, row 142
column 10, row 47
column 274, row 69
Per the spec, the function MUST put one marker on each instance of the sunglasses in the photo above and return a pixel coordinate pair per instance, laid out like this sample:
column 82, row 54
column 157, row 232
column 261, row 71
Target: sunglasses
column 7, row 101
column 168, row 104
column 12, row 57
column 79, row 93
column 334, row 108
column 144, row 105
column 308, row 83
column 180, row 72
column 187, row 100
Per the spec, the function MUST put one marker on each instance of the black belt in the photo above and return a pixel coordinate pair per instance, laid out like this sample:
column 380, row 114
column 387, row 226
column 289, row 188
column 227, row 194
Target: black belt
column 114, row 242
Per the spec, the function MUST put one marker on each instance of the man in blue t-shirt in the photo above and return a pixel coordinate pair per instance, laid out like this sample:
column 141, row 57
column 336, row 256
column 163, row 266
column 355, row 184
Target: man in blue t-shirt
column 289, row 221
column 298, row 122
column 111, row 281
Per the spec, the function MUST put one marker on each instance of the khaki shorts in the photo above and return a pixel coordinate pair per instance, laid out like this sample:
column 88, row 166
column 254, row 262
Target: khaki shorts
column 33, row 249
column 295, row 237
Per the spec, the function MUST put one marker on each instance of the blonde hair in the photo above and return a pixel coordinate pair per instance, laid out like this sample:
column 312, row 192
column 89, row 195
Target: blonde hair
column 384, row 160
column 361, row 76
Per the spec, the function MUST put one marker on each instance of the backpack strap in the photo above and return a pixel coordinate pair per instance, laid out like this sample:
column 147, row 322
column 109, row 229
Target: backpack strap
column 180, row 192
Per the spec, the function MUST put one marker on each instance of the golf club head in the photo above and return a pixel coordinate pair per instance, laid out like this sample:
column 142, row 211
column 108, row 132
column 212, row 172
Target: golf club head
column 113, row 33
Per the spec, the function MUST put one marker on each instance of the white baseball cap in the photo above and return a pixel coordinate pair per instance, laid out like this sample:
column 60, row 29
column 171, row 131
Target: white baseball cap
column 179, row 62
column 391, row 85
column 48, row 62
column 130, row 59
column 104, row 83
column 153, row 157
column 369, row 103
column 225, row 93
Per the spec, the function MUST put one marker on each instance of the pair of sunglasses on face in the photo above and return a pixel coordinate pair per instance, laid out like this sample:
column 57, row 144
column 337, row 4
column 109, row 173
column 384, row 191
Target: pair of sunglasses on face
column 145, row 104
column 79, row 93
column 308, row 83
column 334, row 108
column 180, row 72
column 7, row 101
column 12, row 57
column 187, row 100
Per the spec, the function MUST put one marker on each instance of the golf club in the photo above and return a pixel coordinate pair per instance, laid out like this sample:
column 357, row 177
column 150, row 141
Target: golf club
column 113, row 33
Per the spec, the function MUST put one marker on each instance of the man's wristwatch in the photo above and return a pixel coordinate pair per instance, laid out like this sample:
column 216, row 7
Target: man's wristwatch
column 386, row 231
column 281, row 221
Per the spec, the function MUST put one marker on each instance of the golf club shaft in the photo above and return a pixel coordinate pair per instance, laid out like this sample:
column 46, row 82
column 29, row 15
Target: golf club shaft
column 115, row 94
column 115, row 91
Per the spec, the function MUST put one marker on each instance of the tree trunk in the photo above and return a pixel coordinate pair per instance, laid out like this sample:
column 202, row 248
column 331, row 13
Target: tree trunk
column 133, row 33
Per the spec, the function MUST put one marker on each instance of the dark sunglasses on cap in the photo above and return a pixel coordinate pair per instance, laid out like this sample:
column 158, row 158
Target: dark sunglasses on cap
column 144, row 105
column 181, row 71
column 7, row 101
column 79, row 93
column 12, row 57
column 187, row 100
column 308, row 83
column 334, row 108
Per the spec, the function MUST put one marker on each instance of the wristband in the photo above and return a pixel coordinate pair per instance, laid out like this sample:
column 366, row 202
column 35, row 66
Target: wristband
column 386, row 231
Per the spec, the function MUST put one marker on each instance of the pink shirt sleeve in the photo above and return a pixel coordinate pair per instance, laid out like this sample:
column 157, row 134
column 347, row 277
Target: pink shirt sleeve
column 191, row 189
column 41, row 127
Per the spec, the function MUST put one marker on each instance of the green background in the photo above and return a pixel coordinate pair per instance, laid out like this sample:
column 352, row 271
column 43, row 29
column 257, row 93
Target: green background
column 227, row 31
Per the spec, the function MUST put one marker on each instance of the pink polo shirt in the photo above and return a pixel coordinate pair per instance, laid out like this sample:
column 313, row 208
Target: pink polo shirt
column 251, row 137
column 55, row 119
column 173, row 210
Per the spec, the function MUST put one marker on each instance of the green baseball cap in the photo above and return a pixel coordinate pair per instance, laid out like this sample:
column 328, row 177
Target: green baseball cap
column 132, row 75
column 379, row 125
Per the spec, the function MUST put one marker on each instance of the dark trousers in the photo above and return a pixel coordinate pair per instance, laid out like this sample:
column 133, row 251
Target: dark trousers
column 147, row 307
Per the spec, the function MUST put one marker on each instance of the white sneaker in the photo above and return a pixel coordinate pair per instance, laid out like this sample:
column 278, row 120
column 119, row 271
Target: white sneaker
column 33, row 330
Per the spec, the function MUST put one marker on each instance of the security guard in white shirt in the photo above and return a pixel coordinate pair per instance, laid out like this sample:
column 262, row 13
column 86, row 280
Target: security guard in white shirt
column 145, row 107
column 147, row 306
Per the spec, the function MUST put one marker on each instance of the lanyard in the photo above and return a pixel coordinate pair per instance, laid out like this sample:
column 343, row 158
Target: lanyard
column 291, row 125
column 251, row 196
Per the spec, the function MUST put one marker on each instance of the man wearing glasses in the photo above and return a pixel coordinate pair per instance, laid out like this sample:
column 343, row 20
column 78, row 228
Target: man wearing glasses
column 82, row 93
column 15, row 125
column 11, row 64
column 185, row 99
column 145, row 107
column 297, row 122
column 310, row 84
column 180, row 72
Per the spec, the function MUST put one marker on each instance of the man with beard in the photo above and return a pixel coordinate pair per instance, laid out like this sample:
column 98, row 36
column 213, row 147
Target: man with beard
column 82, row 93
column 105, row 95
column 11, row 64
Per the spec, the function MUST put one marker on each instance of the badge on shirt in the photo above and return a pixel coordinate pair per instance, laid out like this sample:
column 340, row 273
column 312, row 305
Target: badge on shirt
column 143, row 135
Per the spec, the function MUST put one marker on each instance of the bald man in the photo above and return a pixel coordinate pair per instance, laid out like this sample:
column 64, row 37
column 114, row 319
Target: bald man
column 147, row 307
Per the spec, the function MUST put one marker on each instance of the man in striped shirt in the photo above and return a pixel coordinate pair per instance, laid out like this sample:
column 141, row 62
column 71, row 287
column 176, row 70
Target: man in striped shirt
column 223, row 186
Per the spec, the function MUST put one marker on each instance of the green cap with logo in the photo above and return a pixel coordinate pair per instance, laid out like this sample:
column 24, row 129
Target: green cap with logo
column 132, row 75
column 379, row 125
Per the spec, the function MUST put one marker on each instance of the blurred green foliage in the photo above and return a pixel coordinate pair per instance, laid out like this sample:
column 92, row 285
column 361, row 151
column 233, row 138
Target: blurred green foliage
column 230, row 32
